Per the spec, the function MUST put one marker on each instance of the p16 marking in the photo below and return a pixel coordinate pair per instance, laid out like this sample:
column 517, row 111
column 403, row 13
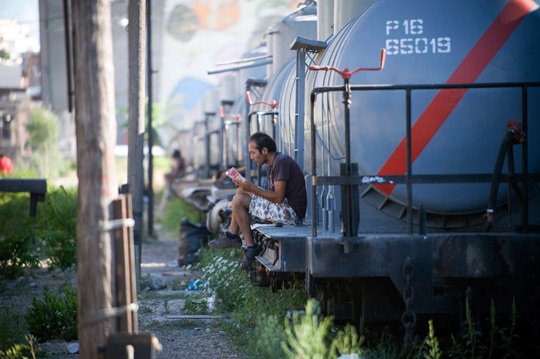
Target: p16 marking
column 405, row 39
column 409, row 27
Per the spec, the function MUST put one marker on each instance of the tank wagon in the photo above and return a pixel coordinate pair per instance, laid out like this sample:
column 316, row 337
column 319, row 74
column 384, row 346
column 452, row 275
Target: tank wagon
column 422, row 166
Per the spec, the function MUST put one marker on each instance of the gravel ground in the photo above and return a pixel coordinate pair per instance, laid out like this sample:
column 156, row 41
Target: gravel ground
column 160, row 311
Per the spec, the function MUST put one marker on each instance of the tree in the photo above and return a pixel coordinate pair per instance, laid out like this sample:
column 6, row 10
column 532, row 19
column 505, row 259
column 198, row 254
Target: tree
column 96, row 138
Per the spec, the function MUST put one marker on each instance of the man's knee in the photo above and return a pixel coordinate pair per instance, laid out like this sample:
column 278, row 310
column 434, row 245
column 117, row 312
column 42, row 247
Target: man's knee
column 241, row 201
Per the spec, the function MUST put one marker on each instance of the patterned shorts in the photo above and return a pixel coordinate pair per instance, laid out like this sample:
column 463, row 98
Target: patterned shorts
column 274, row 212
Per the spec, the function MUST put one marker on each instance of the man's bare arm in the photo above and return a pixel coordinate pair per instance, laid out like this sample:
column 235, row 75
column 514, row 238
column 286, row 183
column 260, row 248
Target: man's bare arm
column 277, row 196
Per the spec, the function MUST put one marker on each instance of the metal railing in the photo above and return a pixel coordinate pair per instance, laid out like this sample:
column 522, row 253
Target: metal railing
column 409, row 179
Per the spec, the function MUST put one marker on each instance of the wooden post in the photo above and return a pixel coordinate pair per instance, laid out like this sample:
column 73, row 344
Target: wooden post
column 95, row 120
column 124, row 272
column 137, row 53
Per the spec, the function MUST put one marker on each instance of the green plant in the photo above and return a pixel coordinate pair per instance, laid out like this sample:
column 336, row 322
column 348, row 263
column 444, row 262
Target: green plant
column 348, row 341
column 434, row 352
column 244, row 302
column 268, row 335
column 15, row 256
column 59, row 228
column 229, row 284
column 19, row 351
column 176, row 285
column 507, row 334
column 14, row 214
column 42, row 128
column 54, row 317
column 14, row 352
column 499, row 344
column 306, row 334
column 144, row 309
column 196, row 306
column 11, row 327
column 175, row 210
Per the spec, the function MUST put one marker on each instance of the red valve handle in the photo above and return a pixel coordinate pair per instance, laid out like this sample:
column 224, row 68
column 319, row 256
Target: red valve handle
column 272, row 104
column 519, row 136
column 346, row 74
column 223, row 114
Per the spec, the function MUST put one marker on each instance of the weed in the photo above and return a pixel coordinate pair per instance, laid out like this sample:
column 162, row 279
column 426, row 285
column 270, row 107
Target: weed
column 256, row 323
column 11, row 327
column 14, row 352
column 58, row 230
column 144, row 309
column 15, row 256
column 269, row 335
column 177, row 209
column 19, row 351
column 306, row 334
column 54, row 317
column 14, row 214
column 434, row 352
column 507, row 336
column 348, row 341
column 176, row 285
column 500, row 342
column 196, row 307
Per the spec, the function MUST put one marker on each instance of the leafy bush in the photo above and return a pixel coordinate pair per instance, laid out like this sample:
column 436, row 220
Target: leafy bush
column 229, row 284
column 58, row 230
column 268, row 335
column 15, row 256
column 20, row 351
column 43, row 128
column 257, row 313
column 11, row 327
column 14, row 214
column 14, row 352
column 16, row 252
column 306, row 334
column 54, row 317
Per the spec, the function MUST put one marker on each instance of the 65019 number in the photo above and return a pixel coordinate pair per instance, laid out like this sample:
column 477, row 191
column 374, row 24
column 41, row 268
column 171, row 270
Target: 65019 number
column 418, row 45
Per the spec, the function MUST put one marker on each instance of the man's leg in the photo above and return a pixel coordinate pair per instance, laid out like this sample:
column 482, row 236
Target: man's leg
column 230, row 238
column 240, row 216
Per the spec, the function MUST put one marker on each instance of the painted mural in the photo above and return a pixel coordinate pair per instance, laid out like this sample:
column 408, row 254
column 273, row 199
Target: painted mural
column 197, row 34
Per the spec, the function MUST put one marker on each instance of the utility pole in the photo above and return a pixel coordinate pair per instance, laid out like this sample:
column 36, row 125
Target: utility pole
column 137, row 52
column 95, row 120
column 150, row 221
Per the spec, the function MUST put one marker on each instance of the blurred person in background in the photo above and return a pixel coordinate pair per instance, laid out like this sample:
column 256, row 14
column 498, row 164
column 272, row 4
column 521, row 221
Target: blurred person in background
column 178, row 169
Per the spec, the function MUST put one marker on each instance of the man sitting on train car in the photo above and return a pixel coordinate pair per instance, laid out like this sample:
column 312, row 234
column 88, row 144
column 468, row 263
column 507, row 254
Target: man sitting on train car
column 284, row 201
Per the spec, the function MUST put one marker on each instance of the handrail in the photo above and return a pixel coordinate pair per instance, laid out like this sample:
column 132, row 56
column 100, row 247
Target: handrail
column 524, row 177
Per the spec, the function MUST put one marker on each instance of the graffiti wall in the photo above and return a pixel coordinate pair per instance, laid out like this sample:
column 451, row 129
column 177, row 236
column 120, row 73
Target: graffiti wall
column 197, row 34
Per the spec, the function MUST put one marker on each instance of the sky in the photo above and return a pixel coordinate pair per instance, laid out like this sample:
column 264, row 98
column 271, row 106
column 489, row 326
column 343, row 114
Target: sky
column 24, row 11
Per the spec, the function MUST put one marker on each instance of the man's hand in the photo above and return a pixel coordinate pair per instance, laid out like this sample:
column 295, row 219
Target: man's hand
column 277, row 196
column 247, row 186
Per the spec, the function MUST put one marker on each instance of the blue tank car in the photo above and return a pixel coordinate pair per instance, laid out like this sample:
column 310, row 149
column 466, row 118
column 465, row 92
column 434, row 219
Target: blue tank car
column 423, row 166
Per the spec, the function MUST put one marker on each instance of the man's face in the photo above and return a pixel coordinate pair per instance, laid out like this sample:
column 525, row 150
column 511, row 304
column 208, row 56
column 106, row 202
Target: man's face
column 255, row 155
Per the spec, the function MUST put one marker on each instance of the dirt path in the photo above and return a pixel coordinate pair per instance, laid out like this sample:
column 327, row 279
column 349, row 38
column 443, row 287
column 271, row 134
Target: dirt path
column 160, row 311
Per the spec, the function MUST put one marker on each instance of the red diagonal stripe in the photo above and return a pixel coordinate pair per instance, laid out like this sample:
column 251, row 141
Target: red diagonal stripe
column 446, row 100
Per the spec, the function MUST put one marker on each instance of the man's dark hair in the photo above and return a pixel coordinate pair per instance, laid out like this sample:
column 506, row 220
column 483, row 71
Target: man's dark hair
column 176, row 154
column 262, row 140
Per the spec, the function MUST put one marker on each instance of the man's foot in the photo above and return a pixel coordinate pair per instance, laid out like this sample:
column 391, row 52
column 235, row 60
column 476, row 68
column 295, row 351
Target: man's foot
column 249, row 256
column 223, row 241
